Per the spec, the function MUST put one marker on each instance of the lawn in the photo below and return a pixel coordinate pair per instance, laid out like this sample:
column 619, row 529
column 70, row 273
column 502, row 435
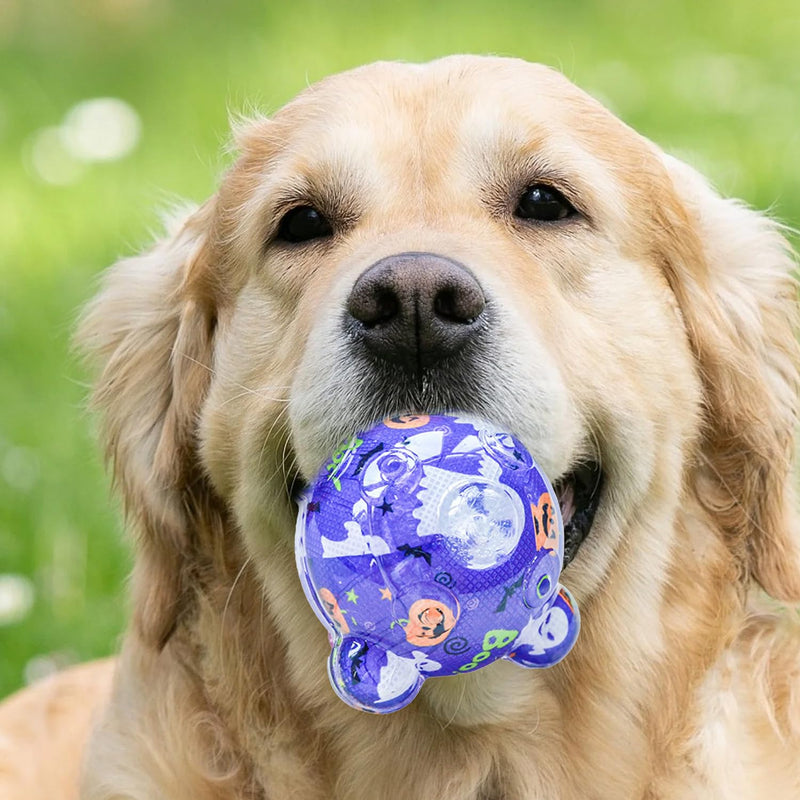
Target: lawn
column 717, row 83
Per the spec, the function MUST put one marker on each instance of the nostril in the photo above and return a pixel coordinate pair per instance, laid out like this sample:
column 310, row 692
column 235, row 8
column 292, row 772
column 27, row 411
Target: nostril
column 459, row 304
column 374, row 305
column 444, row 305
column 387, row 307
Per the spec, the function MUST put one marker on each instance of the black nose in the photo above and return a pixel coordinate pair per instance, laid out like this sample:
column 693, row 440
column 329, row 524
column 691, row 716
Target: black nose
column 414, row 309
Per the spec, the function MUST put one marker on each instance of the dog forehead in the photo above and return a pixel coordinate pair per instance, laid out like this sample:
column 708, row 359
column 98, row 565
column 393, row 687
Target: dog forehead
column 458, row 98
column 437, row 83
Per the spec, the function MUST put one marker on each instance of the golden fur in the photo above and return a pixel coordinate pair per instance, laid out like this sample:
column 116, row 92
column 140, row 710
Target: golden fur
column 657, row 332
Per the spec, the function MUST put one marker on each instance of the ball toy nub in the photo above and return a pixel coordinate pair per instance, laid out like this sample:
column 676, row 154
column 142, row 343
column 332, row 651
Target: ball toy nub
column 430, row 546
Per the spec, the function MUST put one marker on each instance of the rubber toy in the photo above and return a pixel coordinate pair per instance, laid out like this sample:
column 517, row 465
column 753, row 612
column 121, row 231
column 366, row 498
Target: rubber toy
column 431, row 546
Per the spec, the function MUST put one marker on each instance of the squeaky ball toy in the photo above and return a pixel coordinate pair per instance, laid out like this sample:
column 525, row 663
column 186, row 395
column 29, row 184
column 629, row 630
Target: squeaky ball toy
column 429, row 546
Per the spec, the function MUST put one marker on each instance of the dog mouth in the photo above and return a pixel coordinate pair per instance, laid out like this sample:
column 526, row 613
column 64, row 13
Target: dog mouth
column 578, row 494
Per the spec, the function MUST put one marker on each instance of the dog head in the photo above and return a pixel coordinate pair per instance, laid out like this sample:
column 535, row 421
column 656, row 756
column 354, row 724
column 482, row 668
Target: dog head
column 477, row 235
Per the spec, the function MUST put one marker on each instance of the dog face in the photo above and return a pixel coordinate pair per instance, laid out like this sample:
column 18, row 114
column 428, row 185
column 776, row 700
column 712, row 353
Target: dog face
column 471, row 235
column 569, row 305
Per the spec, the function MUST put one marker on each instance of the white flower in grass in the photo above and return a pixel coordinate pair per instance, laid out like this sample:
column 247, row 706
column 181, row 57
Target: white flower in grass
column 19, row 467
column 101, row 129
column 48, row 158
column 16, row 598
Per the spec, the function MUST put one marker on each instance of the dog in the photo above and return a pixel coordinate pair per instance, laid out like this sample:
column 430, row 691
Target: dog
column 478, row 235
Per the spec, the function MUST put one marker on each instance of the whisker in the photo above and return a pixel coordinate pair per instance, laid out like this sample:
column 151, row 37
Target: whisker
column 256, row 392
column 245, row 389
column 282, row 421
column 231, row 590
column 457, row 708
column 280, row 467
column 290, row 469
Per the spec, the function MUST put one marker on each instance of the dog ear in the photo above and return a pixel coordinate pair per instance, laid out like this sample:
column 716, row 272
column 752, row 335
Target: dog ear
column 149, row 332
column 731, row 270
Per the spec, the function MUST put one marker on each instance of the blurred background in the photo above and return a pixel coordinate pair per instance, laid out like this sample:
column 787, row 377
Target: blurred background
column 111, row 109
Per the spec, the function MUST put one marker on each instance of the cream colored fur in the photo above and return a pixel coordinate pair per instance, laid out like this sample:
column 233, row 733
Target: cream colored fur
column 656, row 331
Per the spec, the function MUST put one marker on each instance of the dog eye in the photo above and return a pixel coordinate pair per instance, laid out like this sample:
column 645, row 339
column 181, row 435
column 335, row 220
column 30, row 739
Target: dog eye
column 302, row 224
column 543, row 203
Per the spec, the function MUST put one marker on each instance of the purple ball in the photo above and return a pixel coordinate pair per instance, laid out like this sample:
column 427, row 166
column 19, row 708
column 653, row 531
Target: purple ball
column 429, row 546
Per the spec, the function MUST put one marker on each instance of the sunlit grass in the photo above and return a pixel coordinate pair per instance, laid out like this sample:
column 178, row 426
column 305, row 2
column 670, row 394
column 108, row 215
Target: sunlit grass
column 716, row 83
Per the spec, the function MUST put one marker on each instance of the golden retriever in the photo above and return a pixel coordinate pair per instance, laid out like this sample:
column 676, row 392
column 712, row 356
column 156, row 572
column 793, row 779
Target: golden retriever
column 633, row 329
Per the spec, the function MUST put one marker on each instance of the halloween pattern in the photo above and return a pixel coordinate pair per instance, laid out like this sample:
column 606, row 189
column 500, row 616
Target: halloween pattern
column 431, row 546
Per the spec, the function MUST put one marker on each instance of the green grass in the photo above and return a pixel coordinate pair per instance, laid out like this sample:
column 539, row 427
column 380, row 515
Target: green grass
column 715, row 82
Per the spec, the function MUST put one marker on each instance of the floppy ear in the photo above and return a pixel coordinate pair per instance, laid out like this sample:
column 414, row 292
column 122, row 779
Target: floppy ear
column 149, row 331
column 731, row 270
